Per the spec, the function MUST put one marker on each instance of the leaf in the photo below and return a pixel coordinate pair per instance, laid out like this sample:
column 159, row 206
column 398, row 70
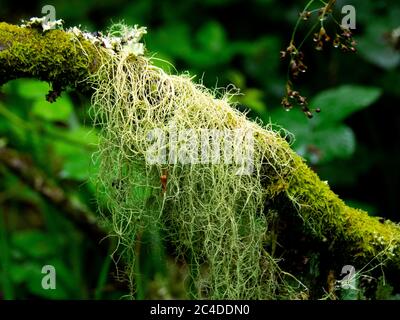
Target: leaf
column 339, row 103
column 295, row 122
column 319, row 144
column 179, row 47
column 59, row 110
column 30, row 274
column 32, row 89
column 34, row 243
column 76, row 152
column 20, row 272
column 212, row 37
column 322, row 138
column 83, row 135
column 209, row 47
column 334, row 142
column 253, row 98
column 8, row 127
column 63, row 280
column 375, row 48
column 76, row 167
column 237, row 78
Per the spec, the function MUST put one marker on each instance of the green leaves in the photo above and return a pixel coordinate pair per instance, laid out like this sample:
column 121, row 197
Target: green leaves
column 375, row 46
column 35, row 91
column 61, row 147
column 32, row 249
column 334, row 142
column 50, row 131
column 34, row 244
column 253, row 98
column 325, row 138
column 60, row 110
column 32, row 89
column 74, row 148
column 339, row 103
column 212, row 37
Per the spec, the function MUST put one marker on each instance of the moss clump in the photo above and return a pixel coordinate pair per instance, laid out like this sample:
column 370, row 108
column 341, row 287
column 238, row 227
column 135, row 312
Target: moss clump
column 54, row 56
column 328, row 219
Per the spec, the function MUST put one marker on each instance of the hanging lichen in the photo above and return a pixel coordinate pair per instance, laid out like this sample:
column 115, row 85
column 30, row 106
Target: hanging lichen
column 213, row 213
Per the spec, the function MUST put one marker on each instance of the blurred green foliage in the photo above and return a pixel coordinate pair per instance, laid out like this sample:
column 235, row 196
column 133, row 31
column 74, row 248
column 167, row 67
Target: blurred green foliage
column 326, row 137
column 352, row 143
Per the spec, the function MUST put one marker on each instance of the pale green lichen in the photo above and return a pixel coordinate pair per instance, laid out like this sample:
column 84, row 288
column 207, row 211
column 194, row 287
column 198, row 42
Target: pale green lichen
column 119, row 39
column 215, row 218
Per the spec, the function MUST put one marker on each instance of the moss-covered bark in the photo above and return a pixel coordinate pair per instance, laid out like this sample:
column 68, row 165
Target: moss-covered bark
column 55, row 56
column 327, row 219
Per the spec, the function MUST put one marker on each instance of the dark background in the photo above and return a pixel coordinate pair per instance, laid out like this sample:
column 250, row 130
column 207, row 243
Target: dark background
column 355, row 146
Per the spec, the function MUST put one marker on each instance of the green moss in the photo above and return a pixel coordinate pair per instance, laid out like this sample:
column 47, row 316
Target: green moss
column 328, row 219
column 54, row 56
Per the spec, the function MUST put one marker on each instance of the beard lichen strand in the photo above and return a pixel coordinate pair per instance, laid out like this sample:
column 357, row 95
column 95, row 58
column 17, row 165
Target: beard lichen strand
column 215, row 218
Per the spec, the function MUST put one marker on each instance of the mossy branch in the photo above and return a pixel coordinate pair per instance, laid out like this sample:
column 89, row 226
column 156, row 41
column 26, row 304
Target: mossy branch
column 350, row 233
column 347, row 233
column 52, row 56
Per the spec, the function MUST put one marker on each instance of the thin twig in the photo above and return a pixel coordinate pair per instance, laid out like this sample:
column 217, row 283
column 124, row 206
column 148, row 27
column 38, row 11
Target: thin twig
column 22, row 166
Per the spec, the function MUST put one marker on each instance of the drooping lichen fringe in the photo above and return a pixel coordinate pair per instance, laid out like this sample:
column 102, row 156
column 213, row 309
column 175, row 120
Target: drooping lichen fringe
column 216, row 218
column 212, row 214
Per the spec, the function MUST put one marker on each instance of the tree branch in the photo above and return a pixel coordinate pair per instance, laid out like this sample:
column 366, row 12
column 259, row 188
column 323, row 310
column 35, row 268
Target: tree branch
column 22, row 166
column 55, row 57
